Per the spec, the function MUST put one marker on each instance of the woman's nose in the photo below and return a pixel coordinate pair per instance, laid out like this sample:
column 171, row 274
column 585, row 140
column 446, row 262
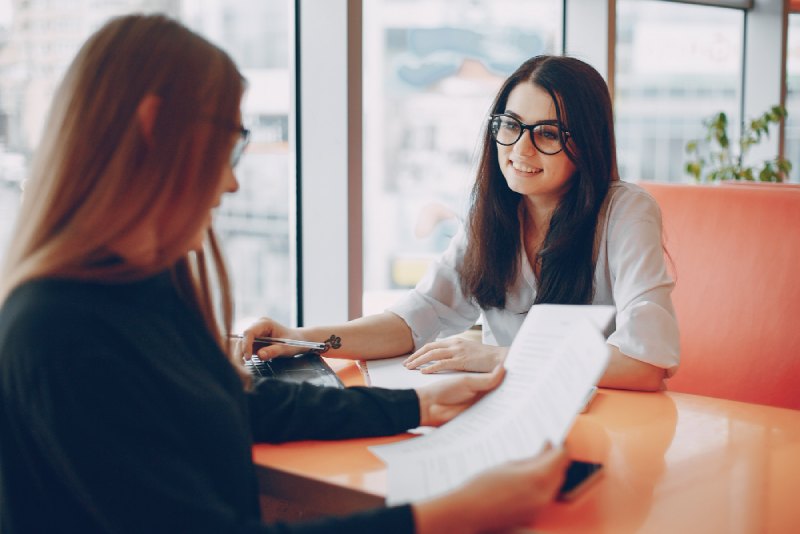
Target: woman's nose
column 524, row 144
column 230, row 182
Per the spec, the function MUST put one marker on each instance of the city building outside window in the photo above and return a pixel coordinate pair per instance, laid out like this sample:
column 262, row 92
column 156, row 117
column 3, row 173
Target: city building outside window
column 676, row 64
column 39, row 38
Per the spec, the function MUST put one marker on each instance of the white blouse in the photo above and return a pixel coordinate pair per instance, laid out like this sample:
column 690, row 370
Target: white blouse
column 630, row 274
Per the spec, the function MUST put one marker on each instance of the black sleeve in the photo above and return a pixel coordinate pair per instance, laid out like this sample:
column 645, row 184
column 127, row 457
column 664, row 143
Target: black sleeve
column 280, row 411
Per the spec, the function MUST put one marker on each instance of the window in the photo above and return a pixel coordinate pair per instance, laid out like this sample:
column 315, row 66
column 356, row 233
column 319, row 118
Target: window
column 254, row 223
column 792, row 144
column 431, row 70
column 37, row 42
column 676, row 64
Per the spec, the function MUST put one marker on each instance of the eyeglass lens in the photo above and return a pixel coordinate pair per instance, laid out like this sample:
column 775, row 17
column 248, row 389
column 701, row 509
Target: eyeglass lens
column 508, row 130
column 238, row 148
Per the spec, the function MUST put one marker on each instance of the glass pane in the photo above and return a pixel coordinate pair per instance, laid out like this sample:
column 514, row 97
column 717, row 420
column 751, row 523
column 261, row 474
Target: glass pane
column 792, row 146
column 676, row 65
column 254, row 223
column 38, row 40
column 431, row 70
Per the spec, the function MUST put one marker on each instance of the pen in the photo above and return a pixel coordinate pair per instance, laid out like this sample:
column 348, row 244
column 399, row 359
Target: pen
column 310, row 345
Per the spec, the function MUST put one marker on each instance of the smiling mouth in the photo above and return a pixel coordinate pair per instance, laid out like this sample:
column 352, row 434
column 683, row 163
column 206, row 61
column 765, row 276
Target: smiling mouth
column 525, row 168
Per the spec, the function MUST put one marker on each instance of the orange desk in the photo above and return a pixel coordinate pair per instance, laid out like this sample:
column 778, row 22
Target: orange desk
column 673, row 463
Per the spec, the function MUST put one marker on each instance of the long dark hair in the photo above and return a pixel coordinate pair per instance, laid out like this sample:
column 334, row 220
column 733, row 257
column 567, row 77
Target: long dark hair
column 492, row 258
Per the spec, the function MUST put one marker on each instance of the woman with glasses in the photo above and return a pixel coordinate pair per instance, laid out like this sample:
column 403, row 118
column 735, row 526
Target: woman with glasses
column 550, row 222
column 119, row 408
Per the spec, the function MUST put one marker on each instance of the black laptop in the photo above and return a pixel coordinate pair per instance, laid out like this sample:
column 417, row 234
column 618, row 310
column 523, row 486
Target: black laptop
column 306, row 367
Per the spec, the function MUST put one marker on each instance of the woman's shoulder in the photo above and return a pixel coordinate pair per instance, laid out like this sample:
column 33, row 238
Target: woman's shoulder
column 628, row 200
column 49, row 296
column 630, row 191
column 40, row 315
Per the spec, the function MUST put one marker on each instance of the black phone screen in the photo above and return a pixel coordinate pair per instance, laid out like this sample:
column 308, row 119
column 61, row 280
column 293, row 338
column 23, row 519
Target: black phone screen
column 577, row 478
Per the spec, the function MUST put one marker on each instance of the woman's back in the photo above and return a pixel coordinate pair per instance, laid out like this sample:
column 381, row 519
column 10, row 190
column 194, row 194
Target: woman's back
column 121, row 413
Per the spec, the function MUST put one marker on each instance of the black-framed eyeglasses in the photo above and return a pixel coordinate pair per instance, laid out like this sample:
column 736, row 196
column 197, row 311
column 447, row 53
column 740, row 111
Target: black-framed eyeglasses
column 241, row 144
column 547, row 136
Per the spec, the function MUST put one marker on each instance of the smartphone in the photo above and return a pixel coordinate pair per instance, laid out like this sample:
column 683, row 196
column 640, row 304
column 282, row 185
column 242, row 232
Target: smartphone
column 579, row 478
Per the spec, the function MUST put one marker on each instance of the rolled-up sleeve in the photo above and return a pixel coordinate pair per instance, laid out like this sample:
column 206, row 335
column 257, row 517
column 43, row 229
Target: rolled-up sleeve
column 646, row 326
column 437, row 307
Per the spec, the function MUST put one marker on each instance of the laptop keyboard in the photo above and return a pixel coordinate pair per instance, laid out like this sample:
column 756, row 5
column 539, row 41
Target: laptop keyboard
column 307, row 367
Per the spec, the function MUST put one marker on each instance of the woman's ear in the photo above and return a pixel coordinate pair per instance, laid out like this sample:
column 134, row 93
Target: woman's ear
column 146, row 114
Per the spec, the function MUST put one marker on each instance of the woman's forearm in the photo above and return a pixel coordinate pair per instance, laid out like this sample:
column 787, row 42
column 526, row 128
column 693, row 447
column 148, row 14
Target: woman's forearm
column 624, row 372
column 375, row 336
column 442, row 515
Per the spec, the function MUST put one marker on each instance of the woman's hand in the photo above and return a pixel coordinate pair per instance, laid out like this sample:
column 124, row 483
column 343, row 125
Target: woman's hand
column 457, row 354
column 504, row 497
column 440, row 402
column 266, row 327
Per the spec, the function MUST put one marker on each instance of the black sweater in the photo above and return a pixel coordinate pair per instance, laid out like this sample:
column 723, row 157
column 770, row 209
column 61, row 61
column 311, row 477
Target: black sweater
column 119, row 413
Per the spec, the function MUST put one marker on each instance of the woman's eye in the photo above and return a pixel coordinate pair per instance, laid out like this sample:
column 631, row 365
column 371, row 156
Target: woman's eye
column 550, row 134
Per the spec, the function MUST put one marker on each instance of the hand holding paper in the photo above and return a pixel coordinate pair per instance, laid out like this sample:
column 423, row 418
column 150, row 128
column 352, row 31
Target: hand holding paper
column 558, row 355
column 506, row 496
column 442, row 401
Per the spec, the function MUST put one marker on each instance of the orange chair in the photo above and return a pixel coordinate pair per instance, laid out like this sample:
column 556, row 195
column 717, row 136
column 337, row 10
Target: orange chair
column 736, row 256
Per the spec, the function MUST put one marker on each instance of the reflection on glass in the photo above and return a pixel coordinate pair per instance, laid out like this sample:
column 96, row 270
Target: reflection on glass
column 792, row 143
column 676, row 64
column 39, row 38
column 431, row 69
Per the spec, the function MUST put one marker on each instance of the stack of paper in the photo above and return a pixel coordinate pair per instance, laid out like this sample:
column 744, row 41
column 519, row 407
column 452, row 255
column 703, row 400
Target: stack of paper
column 558, row 355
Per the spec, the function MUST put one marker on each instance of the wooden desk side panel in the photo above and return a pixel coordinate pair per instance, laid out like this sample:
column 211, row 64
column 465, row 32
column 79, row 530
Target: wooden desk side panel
column 289, row 496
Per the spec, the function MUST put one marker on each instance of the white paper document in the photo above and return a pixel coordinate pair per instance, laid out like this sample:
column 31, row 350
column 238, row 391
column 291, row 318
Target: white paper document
column 392, row 374
column 558, row 355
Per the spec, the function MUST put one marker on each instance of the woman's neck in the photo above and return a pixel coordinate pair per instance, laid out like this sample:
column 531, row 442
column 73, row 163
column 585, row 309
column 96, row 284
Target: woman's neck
column 536, row 216
column 535, row 224
column 137, row 247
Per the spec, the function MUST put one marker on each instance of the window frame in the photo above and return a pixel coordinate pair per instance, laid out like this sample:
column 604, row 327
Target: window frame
column 328, row 160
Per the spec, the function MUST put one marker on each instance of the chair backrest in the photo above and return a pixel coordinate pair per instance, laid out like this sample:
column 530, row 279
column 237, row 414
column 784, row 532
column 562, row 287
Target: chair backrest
column 736, row 255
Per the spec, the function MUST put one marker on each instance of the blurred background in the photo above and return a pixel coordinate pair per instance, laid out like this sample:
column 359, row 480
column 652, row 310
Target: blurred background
column 430, row 71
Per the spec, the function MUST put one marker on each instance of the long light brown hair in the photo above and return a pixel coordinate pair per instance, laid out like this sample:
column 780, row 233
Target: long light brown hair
column 97, row 177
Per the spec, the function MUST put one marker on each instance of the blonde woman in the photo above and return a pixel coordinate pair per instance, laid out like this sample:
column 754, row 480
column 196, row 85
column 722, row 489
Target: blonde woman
column 120, row 411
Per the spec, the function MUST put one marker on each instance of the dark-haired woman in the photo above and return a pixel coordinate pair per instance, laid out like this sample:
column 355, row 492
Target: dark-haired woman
column 550, row 222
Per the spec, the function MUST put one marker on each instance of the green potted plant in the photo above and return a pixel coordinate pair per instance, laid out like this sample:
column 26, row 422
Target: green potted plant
column 713, row 158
